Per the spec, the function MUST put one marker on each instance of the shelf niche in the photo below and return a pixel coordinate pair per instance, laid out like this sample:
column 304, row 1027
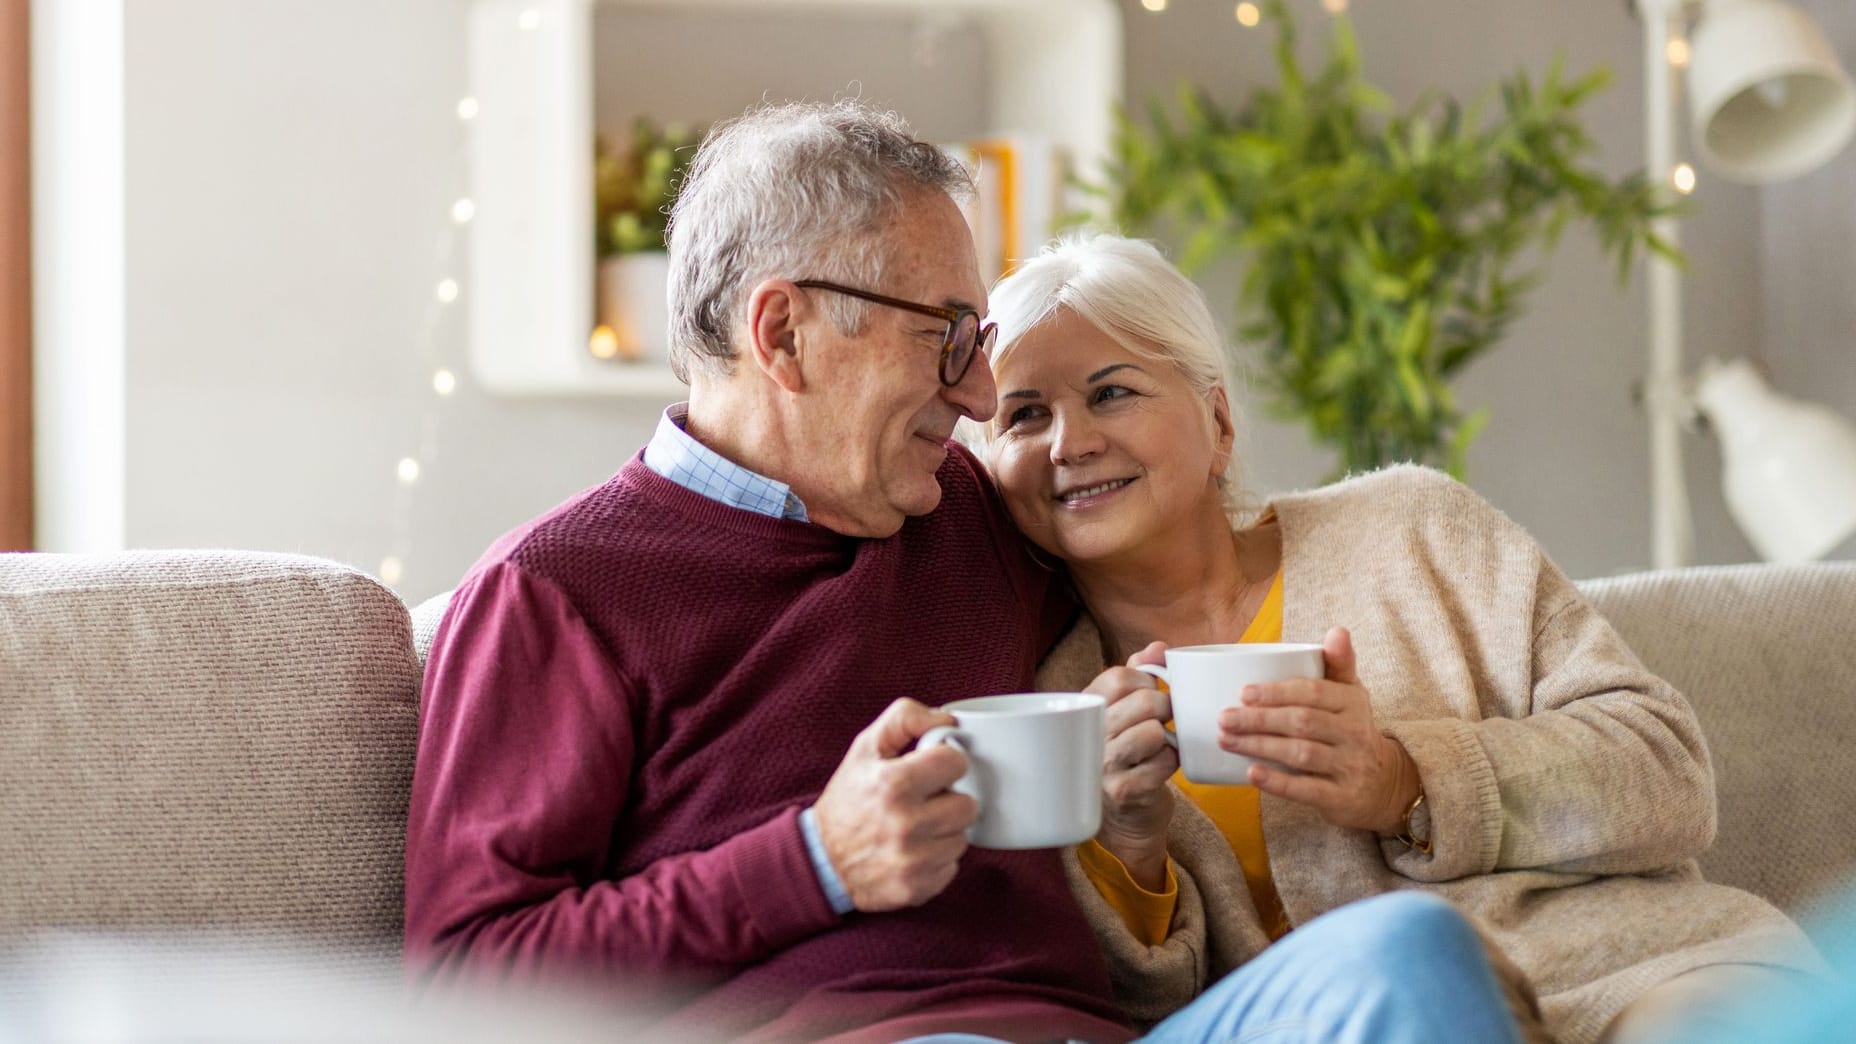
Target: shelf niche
column 549, row 74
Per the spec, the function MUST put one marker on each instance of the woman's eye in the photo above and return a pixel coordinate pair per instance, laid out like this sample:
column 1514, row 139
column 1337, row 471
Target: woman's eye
column 1111, row 391
column 1022, row 415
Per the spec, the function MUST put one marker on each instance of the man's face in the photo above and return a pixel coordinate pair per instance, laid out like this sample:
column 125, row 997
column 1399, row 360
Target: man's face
column 880, row 419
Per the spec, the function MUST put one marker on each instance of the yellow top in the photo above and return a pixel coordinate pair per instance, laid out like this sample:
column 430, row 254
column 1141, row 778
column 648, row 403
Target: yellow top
column 1236, row 811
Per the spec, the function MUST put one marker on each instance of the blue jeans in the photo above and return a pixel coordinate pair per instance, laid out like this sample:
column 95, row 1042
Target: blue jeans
column 1403, row 967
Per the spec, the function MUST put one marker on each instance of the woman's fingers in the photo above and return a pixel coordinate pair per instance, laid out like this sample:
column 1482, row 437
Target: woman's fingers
column 1301, row 755
column 1294, row 722
column 1142, row 744
column 1314, row 791
column 1301, row 692
column 1131, row 710
column 1116, row 682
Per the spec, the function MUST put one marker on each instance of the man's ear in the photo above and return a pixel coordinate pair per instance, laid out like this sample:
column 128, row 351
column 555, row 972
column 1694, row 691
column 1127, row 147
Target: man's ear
column 777, row 311
column 1224, row 432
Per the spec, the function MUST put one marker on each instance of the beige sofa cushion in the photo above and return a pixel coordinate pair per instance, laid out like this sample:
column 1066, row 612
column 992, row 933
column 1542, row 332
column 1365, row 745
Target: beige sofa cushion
column 1767, row 655
column 203, row 741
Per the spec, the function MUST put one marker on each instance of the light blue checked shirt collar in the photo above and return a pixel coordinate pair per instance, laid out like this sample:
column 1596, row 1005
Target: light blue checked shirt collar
column 676, row 455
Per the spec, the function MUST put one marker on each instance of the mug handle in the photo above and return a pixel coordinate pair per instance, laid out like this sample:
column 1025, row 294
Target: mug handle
column 945, row 736
column 1166, row 686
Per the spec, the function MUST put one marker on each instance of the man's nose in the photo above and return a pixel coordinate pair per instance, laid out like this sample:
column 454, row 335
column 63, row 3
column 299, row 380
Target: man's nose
column 975, row 394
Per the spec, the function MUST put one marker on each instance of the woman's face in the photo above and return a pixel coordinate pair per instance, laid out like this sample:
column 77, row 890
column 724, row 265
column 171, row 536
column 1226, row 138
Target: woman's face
column 1099, row 451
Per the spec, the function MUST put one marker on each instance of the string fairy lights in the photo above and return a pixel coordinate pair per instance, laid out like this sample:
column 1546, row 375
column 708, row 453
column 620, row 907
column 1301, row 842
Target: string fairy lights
column 410, row 468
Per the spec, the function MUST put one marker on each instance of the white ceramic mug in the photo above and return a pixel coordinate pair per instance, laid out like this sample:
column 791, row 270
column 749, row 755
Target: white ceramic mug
column 1034, row 766
column 1205, row 679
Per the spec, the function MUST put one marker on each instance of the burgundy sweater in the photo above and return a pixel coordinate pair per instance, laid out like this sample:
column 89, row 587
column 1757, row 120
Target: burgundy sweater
column 628, row 703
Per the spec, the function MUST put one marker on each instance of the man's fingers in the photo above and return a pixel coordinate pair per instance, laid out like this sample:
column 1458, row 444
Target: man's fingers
column 901, row 724
column 921, row 773
column 946, row 815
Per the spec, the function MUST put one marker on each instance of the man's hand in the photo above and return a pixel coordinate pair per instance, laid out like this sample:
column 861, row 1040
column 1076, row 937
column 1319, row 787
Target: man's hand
column 1137, row 761
column 891, row 827
column 1322, row 731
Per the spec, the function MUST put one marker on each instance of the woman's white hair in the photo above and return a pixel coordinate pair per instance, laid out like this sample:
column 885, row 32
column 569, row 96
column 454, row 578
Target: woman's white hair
column 1129, row 291
column 796, row 191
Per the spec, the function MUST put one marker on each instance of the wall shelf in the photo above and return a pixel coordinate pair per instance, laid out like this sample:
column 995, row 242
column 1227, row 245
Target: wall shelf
column 1053, row 66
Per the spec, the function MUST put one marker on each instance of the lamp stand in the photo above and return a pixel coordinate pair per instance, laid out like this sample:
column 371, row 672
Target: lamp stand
column 1672, row 535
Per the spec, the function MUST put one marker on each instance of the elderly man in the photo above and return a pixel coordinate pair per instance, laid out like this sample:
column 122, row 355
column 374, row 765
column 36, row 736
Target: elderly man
column 668, row 729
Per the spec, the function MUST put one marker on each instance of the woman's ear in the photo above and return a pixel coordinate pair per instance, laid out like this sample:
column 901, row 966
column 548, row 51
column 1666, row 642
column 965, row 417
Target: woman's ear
column 1224, row 432
column 777, row 311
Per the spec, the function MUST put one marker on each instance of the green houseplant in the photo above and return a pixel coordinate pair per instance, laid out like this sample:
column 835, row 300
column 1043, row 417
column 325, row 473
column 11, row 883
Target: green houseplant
column 634, row 186
column 1383, row 250
column 633, row 189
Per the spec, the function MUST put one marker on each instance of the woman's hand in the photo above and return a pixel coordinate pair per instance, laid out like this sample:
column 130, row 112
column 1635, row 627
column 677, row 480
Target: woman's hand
column 1137, row 761
column 1322, row 731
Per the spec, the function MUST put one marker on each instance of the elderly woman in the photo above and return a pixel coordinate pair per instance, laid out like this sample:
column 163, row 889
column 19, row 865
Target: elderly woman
column 1481, row 732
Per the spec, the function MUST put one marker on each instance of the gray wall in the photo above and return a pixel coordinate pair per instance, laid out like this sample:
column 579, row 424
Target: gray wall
column 290, row 162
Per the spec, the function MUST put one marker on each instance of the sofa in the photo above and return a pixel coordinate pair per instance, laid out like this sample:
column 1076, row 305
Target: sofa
column 220, row 744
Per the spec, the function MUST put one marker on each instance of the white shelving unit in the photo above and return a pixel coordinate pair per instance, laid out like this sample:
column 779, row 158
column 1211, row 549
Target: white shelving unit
column 1054, row 68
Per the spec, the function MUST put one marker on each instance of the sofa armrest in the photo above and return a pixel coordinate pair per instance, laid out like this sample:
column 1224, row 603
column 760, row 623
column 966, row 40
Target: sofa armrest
column 1767, row 656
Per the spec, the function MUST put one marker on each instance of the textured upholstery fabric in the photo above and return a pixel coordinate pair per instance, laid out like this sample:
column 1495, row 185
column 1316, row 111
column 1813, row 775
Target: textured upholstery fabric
column 1767, row 656
column 203, row 741
column 425, row 619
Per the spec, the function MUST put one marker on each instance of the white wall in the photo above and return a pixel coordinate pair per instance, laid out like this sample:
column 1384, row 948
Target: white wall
column 291, row 166
column 79, row 443
column 290, row 162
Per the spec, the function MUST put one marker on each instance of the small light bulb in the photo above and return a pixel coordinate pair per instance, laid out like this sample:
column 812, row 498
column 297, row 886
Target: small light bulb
column 604, row 344
column 444, row 382
column 1683, row 178
column 529, row 20
column 1248, row 15
column 409, row 470
column 1678, row 53
column 463, row 210
column 1334, row 6
column 1154, row 5
column 467, row 109
column 447, row 291
column 391, row 569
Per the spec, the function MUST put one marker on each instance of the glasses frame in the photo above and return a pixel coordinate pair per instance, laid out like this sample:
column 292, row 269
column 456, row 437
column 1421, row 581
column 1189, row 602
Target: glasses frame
column 983, row 333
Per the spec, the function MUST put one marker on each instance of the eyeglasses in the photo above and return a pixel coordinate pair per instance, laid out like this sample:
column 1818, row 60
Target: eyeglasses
column 966, row 336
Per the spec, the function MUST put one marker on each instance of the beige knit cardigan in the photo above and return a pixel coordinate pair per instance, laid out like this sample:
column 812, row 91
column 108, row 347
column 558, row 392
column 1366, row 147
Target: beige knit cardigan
column 1569, row 789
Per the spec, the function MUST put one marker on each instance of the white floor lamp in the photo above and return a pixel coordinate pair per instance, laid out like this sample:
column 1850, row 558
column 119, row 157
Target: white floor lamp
column 1768, row 101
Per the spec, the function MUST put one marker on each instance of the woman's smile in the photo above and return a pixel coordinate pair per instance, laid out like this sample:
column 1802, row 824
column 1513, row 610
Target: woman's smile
column 1077, row 498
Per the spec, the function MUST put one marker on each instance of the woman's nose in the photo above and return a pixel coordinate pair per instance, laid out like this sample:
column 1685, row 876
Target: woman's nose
column 1074, row 438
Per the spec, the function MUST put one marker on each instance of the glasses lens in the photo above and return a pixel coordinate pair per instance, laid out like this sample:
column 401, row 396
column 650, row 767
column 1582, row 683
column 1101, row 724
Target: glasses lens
column 961, row 340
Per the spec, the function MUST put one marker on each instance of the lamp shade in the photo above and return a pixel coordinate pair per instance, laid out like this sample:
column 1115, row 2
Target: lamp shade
column 1790, row 466
column 1769, row 99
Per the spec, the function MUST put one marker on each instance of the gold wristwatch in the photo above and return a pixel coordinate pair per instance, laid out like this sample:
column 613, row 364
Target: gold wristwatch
column 1416, row 833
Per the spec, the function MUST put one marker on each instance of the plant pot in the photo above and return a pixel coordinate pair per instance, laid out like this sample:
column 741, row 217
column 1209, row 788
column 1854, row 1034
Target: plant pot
column 632, row 302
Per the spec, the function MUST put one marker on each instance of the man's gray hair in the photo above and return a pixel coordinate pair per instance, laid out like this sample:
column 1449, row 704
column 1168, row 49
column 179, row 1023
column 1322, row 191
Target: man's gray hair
column 793, row 191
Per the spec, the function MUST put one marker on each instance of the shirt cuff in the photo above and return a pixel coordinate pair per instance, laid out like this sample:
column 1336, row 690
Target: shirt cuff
column 828, row 878
column 1147, row 915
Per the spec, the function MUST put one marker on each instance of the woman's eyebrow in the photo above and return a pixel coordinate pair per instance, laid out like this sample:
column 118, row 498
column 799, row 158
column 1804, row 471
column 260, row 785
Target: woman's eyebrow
column 1106, row 370
column 1023, row 393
